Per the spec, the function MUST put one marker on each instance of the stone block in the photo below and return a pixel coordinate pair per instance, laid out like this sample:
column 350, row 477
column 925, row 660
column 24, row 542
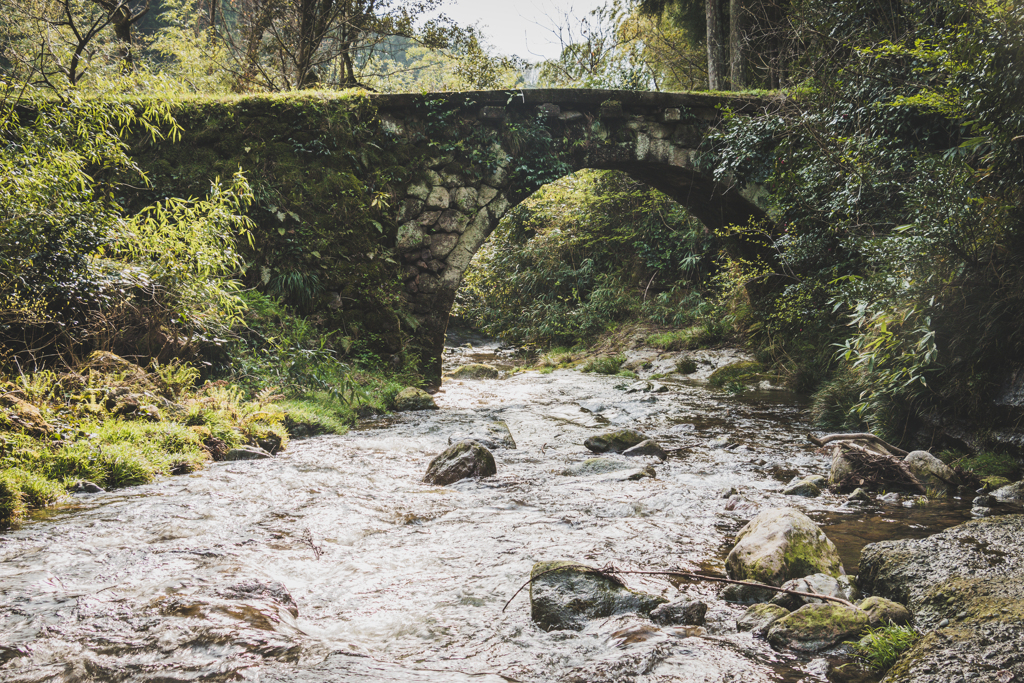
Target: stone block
column 485, row 194
column 688, row 136
column 659, row 131
column 465, row 199
column 418, row 190
column 497, row 178
column 611, row 109
column 548, row 110
column 410, row 208
column 671, row 115
column 438, row 198
column 410, row 236
column 442, row 244
column 453, row 221
column 433, row 178
column 495, row 114
column 498, row 207
column 570, row 116
column 428, row 218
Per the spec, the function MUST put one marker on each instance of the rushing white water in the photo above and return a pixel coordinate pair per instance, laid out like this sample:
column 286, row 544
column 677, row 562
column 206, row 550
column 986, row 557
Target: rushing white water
column 335, row 562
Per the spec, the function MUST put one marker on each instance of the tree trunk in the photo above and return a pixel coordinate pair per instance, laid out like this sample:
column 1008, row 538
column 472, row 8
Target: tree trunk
column 716, row 45
column 737, row 46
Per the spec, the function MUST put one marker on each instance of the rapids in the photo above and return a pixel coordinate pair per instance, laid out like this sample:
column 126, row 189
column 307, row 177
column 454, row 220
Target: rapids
column 333, row 562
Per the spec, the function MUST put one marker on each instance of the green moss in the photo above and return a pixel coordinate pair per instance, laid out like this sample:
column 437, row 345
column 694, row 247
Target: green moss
column 990, row 464
column 686, row 366
column 320, row 415
column 603, row 365
column 693, row 337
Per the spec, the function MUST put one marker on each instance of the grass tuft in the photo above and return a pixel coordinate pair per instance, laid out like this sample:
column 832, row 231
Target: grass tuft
column 882, row 646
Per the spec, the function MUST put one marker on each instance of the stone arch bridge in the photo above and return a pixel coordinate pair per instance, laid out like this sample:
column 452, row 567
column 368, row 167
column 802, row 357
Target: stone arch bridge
column 447, row 213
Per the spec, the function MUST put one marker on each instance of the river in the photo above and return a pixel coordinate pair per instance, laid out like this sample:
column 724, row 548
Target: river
column 334, row 562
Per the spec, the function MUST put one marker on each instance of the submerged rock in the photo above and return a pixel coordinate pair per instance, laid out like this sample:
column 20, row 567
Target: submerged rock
column 967, row 582
column 859, row 495
column 565, row 595
column 882, row 612
column 412, row 398
column 646, row 473
column 475, row 371
column 804, row 487
column 932, row 472
column 464, row 459
column 648, row 447
column 683, row 612
column 246, row 453
column 616, row 441
column 759, row 618
column 596, row 466
column 814, row 628
column 776, row 546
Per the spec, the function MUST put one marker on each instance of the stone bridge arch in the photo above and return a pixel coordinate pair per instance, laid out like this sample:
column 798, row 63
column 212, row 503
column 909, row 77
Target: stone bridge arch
column 474, row 175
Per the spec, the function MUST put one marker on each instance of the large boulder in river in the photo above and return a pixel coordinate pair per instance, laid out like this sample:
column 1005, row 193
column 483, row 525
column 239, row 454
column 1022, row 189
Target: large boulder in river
column 616, row 441
column 814, row 628
column 565, row 595
column 776, row 546
column 965, row 588
column 464, row 459
column 412, row 398
column 684, row 611
column 475, row 371
column 932, row 472
column 648, row 447
column 493, row 434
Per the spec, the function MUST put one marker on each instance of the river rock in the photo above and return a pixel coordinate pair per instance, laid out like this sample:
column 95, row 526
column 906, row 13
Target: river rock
column 965, row 589
column 814, row 628
column 646, row 473
column 882, row 612
column 841, row 469
column 246, row 453
column 85, row 486
column 412, row 398
column 738, row 503
column 596, row 466
column 822, row 584
column 24, row 415
column 648, row 447
column 805, row 487
column 494, row 434
column 616, row 441
column 932, row 472
column 464, row 459
column 859, row 495
column 682, row 612
column 759, row 618
column 1013, row 493
column 569, row 596
column 475, row 371
column 776, row 546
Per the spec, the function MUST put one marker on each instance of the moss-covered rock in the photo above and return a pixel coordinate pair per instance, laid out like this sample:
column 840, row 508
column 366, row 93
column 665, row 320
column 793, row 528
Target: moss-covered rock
column 565, row 595
column 475, row 371
column 759, row 618
column 813, row 628
column 461, row 461
column 965, row 583
column 413, row 398
column 649, row 447
column 743, row 372
column 615, row 442
column 805, row 487
column 683, row 612
column 932, row 472
column 882, row 612
column 1013, row 493
column 819, row 584
column 779, row 545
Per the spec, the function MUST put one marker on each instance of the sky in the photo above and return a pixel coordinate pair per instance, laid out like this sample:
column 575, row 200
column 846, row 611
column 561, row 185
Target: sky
column 519, row 27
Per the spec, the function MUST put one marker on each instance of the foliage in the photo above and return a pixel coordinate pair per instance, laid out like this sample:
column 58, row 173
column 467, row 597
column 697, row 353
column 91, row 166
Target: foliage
column 742, row 372
column 882, row 646
column 985, row 464
column 582, row 254
column 604, row 365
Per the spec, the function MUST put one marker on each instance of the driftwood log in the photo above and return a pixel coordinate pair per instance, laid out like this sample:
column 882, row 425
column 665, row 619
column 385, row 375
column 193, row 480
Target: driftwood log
column 821, row 441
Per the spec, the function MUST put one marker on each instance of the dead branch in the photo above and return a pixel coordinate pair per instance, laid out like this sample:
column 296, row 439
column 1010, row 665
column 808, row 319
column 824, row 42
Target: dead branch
column 855, row 437
column 874, row 468
column 609, row 573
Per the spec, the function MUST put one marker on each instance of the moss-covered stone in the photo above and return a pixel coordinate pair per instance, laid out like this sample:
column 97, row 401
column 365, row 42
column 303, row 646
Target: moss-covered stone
column 413, row 398
column 474, row 371
column 615, row 442
column 743, row 372
column 813, row 628
column 461, row 461
column 778, row 545
column 565, row 595
column 882, row 612
column 759, row 618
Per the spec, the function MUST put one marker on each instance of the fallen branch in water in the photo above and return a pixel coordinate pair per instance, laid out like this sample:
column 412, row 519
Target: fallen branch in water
column 871, row 468
column 856, row 437
column 609, row 573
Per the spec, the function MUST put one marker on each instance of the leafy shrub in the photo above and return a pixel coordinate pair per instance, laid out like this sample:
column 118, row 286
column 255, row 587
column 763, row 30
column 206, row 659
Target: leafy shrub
column 686, row 366
column 988, row 464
